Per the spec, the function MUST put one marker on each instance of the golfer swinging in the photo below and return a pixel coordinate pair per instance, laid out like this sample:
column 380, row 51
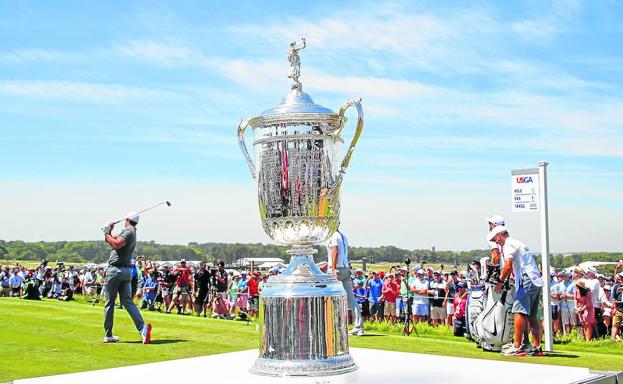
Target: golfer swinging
column 119, row 277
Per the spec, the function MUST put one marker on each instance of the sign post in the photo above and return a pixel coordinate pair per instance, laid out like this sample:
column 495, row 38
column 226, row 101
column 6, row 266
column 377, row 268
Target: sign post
column 529, row 187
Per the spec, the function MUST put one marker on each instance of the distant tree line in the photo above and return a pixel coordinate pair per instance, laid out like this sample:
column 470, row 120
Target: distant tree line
column 98, row 252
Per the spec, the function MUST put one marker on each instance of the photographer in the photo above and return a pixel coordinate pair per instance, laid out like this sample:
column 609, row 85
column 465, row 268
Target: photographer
column 15, row 283
column 202, row 289
column 220, row 307
column 182, row 288
column 221, row 279
column 149, row 289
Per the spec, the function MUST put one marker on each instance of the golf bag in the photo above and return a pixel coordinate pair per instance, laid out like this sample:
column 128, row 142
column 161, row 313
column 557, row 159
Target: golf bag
column 475, row 305
column 495, row 324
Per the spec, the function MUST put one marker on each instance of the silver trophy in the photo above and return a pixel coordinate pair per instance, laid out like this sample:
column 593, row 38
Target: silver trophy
column 303, row 312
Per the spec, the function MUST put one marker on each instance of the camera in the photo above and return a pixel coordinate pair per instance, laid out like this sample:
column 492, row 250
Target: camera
column 407, row 261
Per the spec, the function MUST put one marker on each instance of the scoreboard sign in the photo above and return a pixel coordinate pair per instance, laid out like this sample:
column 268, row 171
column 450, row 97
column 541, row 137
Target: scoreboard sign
column 525, row 190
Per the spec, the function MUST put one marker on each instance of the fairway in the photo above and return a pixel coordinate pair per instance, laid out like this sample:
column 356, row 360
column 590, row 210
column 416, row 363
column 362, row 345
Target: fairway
column 52, row 337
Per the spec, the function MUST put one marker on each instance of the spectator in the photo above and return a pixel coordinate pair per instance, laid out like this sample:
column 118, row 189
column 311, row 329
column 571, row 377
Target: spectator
column 584, row 308
column 375, row 287
column 221, row 279
column 607, row 306
column 420, row 289
column 202, row 288
column 451, row 291
column 234, row 285
column 15, row 283
column 5, row 287
column 438, row 310
column 597, row 295
column 182, row 288
column 390, row 293
column 243, row 292
column 567, row 305
column 554, row 290
column 166, row 284
column 359, row 277
column 617, row 318
column 149, row 291
column 359, row 291
column 254, row 294
column 460, row 302
column 89, row 282
column 220, row 307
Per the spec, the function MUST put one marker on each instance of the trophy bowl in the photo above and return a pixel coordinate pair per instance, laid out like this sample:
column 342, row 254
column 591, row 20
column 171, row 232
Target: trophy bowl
column 303, row 312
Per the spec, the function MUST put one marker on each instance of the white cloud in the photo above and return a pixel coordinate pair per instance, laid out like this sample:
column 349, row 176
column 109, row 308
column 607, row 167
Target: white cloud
column 162, row 53
column 37, row 55
column 83, row 92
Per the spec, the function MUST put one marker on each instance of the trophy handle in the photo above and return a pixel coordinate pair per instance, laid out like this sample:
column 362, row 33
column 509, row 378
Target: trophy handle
column 243, row 147
column 358, row 130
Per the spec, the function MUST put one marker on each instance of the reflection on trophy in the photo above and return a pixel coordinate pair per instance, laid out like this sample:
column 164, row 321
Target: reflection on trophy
column 303, row 312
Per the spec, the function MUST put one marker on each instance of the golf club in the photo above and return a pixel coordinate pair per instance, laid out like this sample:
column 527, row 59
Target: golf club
column 106, row 228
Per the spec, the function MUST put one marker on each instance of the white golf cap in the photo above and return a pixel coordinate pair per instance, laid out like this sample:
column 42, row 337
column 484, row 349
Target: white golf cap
column 133, row 216
column 495, row 231
column 496, row 220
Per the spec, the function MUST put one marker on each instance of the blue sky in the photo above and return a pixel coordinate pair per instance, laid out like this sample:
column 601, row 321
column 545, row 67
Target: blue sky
column 125, row 103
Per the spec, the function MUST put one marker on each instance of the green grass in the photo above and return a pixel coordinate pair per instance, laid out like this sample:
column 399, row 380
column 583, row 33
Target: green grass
column 52, row 337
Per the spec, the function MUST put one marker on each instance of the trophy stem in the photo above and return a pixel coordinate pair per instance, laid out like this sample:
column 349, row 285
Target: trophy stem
column 304, row 317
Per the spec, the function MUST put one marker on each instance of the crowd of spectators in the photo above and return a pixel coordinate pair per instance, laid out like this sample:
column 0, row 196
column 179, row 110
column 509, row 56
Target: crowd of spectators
column 581, row 299
column 181, row 288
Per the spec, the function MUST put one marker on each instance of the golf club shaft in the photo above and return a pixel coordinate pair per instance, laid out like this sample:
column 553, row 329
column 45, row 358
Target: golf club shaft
column 145, row 210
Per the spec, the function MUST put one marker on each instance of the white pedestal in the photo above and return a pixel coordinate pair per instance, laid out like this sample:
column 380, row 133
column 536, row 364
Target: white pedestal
column 375, row 367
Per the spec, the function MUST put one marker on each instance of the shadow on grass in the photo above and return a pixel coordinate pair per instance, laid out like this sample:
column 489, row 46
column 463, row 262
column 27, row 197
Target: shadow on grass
column 366, row 335
column 554, row 354
column 157, row 341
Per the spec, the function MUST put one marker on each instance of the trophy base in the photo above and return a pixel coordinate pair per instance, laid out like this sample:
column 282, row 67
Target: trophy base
column 303, row 322
column 321, row 367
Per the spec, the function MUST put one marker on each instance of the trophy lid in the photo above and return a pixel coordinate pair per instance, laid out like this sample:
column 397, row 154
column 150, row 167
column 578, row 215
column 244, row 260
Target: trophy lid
column 297, row 101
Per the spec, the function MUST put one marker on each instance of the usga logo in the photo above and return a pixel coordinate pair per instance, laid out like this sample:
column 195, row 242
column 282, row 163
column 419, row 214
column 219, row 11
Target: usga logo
column 524, row 179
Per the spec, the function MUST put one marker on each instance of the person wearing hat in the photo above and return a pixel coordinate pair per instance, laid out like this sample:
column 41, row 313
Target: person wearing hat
column 254, row 293
column 584, row 308
column 451, row 290
column 202, row 288
column 496, row 251
column 375, row 289
column 554, row 290
column 528, row 284
column 567, row 293
column 391, row 291
column 460, row 304
column 182, row 288
column 359, row 277
column 337, row 264
column 420, row 289
column 597, row 295
column 438, row 310
column 118, row 279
